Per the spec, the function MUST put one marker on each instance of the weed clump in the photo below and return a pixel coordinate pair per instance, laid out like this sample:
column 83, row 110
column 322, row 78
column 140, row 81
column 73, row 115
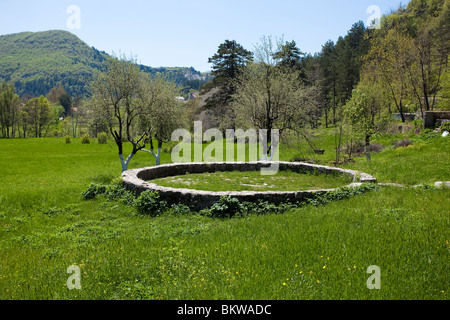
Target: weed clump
column 226, row 207
column 149, row 202
column 93, row 190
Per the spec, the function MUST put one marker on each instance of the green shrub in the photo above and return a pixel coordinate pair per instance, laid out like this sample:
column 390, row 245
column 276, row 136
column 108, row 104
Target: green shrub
column 93, row 190
column 445, row 126
column 85, row 139
column 68, row 139
column 149, row 202
column 115, row 190
column 128, row 198
column 227, row 207
column 102, row 138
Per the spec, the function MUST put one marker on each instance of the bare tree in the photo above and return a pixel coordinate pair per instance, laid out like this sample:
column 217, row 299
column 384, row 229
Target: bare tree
column 269, row 98
column 272, row 96
column 161, row 112
column 136, row 107
column 115, row 93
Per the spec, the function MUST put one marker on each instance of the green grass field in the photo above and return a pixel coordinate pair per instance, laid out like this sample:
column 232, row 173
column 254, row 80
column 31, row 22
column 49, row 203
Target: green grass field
column 313, row 252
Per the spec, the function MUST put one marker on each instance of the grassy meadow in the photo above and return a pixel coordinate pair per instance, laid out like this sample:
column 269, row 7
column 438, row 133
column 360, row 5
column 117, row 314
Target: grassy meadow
column 311, row 252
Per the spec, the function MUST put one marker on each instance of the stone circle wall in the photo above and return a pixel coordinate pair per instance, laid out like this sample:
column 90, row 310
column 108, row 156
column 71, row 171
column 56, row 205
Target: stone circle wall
column 138, row 181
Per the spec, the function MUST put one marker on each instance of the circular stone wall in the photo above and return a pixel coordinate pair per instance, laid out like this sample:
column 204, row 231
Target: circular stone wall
column 137, row 180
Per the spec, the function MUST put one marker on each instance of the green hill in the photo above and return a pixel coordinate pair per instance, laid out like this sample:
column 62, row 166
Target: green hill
column 37, row 61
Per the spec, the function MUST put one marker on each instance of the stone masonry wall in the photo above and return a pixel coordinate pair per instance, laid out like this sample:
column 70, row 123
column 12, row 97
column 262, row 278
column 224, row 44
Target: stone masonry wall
column 431, row 117
column 139, row 180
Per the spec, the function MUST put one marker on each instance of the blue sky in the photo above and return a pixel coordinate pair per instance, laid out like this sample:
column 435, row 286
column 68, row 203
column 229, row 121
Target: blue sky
column 185, row 33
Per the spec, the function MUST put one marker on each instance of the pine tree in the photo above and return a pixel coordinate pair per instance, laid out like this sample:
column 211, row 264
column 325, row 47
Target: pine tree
column 228, row 62
column 289, row 55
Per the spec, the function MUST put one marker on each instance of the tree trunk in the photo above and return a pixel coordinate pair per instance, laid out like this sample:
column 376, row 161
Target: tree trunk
column 263, row 142
column 274, row 143
column 74, row 126
column 337, row 144
column 125, row 163
column 402, row 114
column 158, row 157
column 368, row 147
column 334, row 103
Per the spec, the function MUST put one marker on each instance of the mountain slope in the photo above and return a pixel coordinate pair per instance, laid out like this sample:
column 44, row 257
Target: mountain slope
column 37, row 61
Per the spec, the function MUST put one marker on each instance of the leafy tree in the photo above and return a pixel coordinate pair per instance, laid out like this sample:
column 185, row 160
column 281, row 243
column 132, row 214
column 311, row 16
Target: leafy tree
column 23, row 119
column 389, row 58
column 39, row 114
column 9, row 101
column 430, row 50
column 66, row 101
column 444, row 93
column 426, row 24
column 364, row 111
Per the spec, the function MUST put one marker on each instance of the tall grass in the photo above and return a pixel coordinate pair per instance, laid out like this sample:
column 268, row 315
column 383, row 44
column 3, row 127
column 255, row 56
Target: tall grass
column 311, row 252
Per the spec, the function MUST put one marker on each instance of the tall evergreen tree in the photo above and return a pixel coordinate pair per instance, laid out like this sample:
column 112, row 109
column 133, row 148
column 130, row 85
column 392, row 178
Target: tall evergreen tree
column 341, row 64
column 289, row 55
column 227, row 63
column 328, row 63
column 66, row 101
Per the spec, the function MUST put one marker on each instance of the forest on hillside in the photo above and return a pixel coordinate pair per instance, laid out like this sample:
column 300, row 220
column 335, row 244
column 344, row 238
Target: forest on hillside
column 36, row 62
